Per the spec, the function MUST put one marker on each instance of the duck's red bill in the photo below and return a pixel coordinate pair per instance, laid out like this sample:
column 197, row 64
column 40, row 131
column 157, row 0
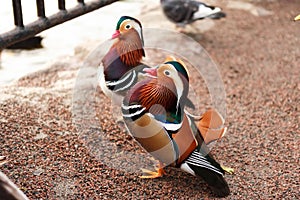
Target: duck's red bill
column 151, row 71
column 116, row 34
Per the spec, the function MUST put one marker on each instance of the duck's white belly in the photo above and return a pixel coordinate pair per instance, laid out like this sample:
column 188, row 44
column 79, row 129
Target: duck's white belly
column 116, row 98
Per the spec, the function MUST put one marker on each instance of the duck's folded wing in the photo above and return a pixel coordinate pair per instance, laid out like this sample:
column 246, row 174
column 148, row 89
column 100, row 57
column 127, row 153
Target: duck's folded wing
column 152, row 136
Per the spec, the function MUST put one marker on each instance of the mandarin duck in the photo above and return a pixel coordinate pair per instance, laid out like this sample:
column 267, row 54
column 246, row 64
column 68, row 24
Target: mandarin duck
column 182, row 12
column 153, row 112
column 210, row 124
column 121, row 66
column 297, row 18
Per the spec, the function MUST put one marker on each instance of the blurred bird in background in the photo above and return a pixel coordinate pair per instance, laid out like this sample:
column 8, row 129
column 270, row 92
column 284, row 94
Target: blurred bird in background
column 153, row 111
column 183, row 12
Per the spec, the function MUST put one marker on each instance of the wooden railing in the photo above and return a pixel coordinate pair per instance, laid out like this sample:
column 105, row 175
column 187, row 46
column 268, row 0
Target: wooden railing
column 22, row 32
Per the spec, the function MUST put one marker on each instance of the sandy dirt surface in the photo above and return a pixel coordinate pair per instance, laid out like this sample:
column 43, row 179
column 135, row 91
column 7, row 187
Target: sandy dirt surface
column 258, row 58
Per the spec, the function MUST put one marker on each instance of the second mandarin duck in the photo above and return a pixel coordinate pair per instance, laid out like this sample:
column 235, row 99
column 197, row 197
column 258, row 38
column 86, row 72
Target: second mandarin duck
column 153, row 111
column 122, row 64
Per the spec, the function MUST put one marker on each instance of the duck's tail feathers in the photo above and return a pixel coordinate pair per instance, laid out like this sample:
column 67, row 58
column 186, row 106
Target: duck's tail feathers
column 218, row 15
column 211, row 126
column 205, row 11
column 209, row 170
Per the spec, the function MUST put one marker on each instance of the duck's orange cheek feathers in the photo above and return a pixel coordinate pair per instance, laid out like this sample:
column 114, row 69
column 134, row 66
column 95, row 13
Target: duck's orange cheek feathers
column 130, row 48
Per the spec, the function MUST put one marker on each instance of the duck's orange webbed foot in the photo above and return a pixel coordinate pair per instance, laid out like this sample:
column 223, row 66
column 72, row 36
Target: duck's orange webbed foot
column 154, row 174
column 229, row 170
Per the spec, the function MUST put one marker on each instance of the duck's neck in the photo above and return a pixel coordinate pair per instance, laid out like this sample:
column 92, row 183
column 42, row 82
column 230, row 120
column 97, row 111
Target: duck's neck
column 162, row 102
column 130, row 49
column 125, row 54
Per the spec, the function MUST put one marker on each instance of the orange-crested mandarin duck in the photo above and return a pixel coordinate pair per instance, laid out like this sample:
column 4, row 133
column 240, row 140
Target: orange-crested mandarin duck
column 153, row 111
column 121, row 65
column 210, row 124
column 297, row 18
column 182, row 12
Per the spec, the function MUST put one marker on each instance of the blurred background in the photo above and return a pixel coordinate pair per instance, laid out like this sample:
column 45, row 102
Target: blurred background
column 256, row 49
column 17, row 63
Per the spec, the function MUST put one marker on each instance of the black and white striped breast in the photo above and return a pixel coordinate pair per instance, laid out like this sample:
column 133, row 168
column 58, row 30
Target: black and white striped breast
column 133, row 112
column 124, row 83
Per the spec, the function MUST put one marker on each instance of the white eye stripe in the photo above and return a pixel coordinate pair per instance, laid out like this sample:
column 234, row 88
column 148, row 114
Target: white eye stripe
column 134, row 25
column 177, row 81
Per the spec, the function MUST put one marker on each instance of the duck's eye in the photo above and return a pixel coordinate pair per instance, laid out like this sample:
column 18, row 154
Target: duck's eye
column 167, row 73
column 128, row 26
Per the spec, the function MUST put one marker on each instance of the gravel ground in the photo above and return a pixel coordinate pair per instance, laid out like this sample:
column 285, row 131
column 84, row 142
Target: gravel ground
column 258, row 58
